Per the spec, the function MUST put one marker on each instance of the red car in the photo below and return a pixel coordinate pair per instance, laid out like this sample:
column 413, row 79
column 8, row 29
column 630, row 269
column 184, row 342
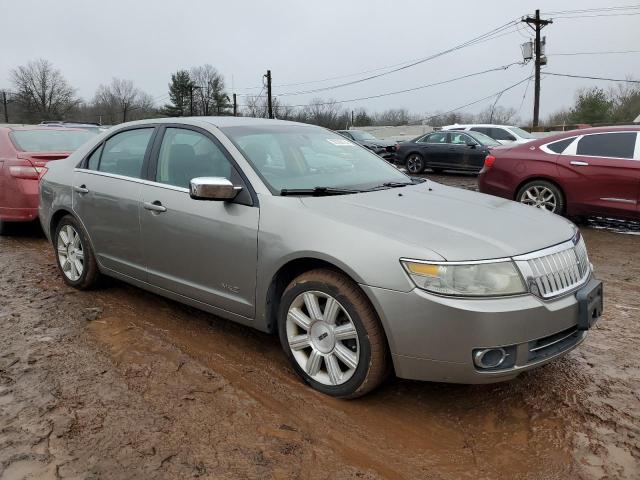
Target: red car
column 587, row 172
column 24, row 153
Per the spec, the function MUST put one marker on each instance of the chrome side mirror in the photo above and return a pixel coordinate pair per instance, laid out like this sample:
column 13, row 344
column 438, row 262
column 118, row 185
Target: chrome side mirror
column 212, row 188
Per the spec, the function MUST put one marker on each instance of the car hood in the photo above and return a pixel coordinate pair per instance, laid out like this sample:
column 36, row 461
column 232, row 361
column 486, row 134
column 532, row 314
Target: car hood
column 455, row 223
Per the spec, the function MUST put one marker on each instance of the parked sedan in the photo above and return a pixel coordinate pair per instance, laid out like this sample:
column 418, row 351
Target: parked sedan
column 587, row 172
column 445, row 150
column 24, row 156
column 385, row 148
column 360, row 269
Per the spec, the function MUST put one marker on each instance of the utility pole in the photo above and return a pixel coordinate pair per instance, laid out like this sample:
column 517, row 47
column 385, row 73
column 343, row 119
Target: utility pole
column 352, row 118
column 537, row 25
column 269, row 104
column 235, row 106
column 191, row 100
column 4, row 104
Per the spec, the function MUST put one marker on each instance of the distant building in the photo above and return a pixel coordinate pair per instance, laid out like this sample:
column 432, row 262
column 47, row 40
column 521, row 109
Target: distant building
column 637, row 120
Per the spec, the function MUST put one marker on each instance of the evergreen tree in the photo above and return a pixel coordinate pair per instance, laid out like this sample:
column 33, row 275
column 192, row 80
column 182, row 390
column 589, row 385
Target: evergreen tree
column 179, row 90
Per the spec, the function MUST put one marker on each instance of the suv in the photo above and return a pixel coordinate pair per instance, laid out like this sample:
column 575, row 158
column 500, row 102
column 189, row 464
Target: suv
column 505, row 134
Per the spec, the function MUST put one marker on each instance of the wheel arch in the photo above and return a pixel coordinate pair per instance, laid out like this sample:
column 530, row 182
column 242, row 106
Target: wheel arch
column 55, row 220
column 290, row 270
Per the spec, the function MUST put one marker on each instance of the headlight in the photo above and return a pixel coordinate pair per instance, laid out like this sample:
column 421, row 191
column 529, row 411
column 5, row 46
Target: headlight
column 468, row 280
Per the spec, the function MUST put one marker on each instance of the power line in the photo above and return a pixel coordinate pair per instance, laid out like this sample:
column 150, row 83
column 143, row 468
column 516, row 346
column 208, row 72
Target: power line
column 491, row 35
column 477, row 101
column 599, row 9
column 599, row 15
column 469, row 75
column 592, row 53
column 592, row 78
column 478, row 39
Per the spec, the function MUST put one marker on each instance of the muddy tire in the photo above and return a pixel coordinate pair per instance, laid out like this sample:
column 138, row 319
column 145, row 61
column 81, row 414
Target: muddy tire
column 332, row 335
column 74, row 254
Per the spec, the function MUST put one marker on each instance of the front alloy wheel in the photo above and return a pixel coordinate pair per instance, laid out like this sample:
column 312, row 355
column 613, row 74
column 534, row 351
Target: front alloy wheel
column 322, row 338
column 332, row 335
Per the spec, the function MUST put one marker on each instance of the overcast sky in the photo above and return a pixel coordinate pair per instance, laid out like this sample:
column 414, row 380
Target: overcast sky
column 300, row 41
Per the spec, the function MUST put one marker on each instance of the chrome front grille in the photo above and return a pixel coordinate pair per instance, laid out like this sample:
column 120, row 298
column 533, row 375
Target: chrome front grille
column 555, row 270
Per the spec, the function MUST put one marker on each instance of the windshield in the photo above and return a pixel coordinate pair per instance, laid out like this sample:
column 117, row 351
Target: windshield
column 363, row 136
column 46, row 140
column 291, row 157
column 521, row 133
column 484, row 139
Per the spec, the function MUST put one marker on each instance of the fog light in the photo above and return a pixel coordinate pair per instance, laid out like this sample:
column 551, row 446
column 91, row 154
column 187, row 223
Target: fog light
column 489, row 357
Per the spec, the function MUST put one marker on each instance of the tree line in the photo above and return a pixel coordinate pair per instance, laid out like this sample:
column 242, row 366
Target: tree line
column 40, row 92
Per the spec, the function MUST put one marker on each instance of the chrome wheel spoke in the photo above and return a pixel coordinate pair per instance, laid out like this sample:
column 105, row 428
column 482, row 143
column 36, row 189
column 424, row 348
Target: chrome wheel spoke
column 299, row 318
column 333, row 369
column 331, row 310
column 347, row 357
column 345, row 332
column 313, row 307
column 299, row 342
column 313, row 363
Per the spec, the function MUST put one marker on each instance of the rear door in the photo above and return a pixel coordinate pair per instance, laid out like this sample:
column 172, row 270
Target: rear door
column 602, row 174
column 106, row 196
column 434, row 148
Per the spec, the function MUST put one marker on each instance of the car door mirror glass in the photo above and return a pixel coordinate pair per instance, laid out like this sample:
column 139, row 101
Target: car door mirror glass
column 213, row 188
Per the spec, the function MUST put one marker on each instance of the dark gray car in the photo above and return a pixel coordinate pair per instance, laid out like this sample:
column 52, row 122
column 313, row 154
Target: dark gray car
column 385, row 148
column 293, row 229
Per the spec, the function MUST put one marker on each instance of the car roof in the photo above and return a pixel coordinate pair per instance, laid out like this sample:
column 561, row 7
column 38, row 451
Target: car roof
column 227, row 121
column 39, row 127
column 465, row 125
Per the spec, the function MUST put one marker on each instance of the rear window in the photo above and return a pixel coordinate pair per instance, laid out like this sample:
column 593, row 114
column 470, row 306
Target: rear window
column 49, row 140
column 560, row 145
column 617, row 145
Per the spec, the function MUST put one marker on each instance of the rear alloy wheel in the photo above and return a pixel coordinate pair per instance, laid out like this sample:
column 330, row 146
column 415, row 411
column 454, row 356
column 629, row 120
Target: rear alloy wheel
column 331, row 334
column 542, row 194
column 415, row 163
column 74, row 254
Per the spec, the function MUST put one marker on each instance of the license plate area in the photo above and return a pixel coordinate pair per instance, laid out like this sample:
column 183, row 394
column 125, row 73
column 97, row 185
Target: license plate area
column 590, row 304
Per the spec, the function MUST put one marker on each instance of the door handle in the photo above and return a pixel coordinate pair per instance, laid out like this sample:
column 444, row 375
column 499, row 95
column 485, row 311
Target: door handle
column 579, row 164
column 155, row 206
column 81, row 189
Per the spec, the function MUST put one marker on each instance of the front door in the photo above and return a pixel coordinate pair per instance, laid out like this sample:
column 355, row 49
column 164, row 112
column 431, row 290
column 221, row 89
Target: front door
column 106, row 196
column 204, row 250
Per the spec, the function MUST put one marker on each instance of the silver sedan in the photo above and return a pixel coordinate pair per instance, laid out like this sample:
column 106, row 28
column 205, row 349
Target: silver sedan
column 293, row 229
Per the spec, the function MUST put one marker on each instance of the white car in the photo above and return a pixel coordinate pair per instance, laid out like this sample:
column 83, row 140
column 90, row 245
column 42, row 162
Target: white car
column 505, row 134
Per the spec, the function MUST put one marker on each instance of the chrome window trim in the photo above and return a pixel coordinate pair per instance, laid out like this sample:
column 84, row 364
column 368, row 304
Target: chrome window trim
column 572, row 148
column 132, row 179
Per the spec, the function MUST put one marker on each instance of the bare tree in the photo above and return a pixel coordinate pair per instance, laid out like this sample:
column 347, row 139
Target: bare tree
column 42, row 90
column 326, row 114
column 497, row 115
column 119, row 99
column 209, row 95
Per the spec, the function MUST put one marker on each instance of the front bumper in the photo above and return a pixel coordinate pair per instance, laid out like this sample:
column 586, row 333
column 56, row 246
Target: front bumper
column 433, row 338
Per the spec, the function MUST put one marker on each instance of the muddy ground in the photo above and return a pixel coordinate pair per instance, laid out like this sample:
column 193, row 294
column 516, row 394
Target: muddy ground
column 119, row 383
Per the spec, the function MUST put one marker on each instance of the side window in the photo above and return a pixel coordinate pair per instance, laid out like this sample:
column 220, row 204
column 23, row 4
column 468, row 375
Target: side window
column 501, row 134
column 617, row 145
column 439, row 137
column 185, row 154
column 485, row 130
column 123, row 154
column 560, row 145
column 94, row 159
column 461, row 139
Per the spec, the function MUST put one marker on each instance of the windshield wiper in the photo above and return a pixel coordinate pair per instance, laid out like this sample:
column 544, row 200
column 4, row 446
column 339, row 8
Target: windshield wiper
column 317, row 191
